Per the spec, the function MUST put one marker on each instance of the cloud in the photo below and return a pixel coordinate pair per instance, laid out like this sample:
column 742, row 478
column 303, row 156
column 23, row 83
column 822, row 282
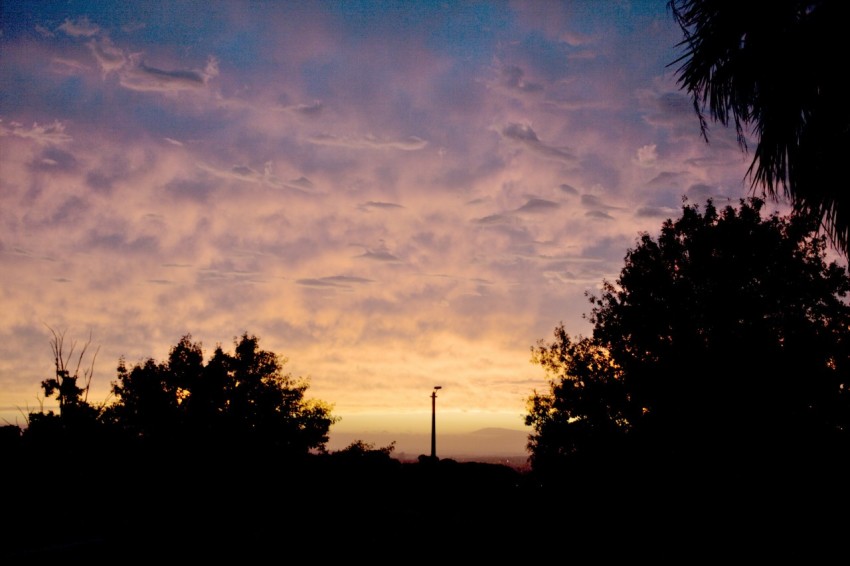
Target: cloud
column 669, row 109
column 567, row 277
column 53, row 159
column 494, row 219
column 141, row 77
column 666, row 179
column 520, row 133
column 377, row 204
column 79, row 28
column 569, row 189
column 599, row 215
column 267, row 177
column 219, row 276
column 593, row 201
column 532, row 206
column 109, row 58
column 567, row 259
column 191, row 189
column 701, row 192
column 538, row 205
column 243, row 171
column 50, row 134
column 575, row 103
column 525, row 136
column 137, row 75
column 341, row 281
column 65, row 66
column 120, row 243
column 301, row 184
column 512, row 77
column 655, row 212
column 381, row 253
column 311, row 110
column 674, row 112
column 646, row 155
column 133, row 27
column 576, row 39
column 675, row 104
column 44, row 31
column 411, row 143
column 100, row 181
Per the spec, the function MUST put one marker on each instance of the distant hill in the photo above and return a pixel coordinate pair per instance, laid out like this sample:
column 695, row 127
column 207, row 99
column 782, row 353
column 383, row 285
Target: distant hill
column 483, row 445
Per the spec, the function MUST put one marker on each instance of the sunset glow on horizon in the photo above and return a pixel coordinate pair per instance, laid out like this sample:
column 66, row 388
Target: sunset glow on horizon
column 390, row 195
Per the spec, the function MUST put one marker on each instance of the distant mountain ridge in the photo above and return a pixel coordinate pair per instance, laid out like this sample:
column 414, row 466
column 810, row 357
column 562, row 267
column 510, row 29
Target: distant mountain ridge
column 482, row 445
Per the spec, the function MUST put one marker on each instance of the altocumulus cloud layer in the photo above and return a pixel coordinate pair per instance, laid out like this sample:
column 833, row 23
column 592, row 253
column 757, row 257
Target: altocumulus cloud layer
column 393, row 195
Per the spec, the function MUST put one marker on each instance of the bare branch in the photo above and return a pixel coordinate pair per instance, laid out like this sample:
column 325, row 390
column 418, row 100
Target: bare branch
column 82, row 353
column 90, row 373
column 56, row 346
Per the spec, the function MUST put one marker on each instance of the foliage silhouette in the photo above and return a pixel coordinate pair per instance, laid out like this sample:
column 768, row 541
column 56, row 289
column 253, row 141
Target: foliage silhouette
column 585, row 414
column 77, row 420
column 769, row 68
column 237, row 400
column 129, row 499
column 723, row 342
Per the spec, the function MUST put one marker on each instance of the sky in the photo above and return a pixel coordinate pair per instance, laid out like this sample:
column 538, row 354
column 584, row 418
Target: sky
column 392, row 196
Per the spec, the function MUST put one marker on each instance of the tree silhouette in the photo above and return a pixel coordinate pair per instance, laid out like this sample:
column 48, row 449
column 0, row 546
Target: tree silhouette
column 585, row 413
column 768, row 67
column 724, row 339
column 234, row 400
column 77, row 419
column 223, row 459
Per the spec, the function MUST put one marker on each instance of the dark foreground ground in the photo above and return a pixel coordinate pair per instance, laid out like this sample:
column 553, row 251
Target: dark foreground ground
column 246, row 509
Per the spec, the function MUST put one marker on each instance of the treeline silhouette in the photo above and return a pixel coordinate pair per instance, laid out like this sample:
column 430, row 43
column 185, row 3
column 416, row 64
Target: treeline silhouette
column 714, row 388
column 199, row 459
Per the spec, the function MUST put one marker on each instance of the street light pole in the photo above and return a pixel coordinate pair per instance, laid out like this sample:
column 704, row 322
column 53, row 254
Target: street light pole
column 434, row 422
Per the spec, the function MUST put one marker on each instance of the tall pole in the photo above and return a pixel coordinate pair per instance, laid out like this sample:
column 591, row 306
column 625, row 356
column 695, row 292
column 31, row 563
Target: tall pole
column 434, row 422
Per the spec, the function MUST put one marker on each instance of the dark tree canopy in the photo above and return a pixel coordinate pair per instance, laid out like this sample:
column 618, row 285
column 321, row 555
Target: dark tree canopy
column 774, row 69
column 586, row 410
column 725, row 337
column 238, row 398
